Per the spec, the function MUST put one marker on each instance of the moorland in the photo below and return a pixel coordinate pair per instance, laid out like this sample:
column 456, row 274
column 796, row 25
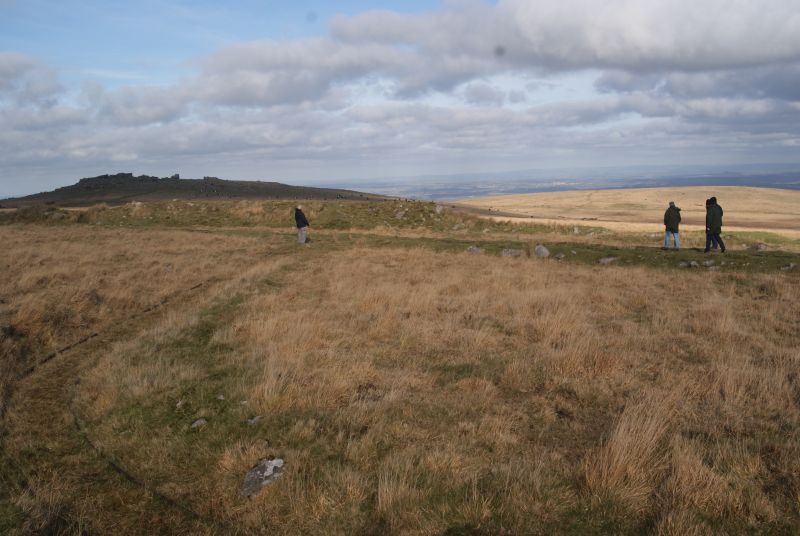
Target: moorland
column 419, row 370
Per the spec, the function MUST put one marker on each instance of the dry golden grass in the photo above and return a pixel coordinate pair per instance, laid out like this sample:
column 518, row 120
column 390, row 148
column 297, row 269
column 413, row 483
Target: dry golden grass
column 61, row 284
column 419, row 392
column 642, row 209
column 413, row 392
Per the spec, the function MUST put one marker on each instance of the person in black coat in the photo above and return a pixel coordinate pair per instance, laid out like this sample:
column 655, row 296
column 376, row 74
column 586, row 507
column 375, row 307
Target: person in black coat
column 672, row 219
column 713, row 225
column 302, row 225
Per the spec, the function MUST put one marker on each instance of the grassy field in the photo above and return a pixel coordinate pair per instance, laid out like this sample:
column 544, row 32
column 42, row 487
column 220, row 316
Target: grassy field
column 746, row 209
column 410, row 386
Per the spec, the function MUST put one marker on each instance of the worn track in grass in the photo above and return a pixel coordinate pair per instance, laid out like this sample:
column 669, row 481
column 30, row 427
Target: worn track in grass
column 54, row 449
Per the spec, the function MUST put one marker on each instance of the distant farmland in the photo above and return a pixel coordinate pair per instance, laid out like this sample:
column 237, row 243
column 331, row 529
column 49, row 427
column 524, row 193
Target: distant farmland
column 746, row 209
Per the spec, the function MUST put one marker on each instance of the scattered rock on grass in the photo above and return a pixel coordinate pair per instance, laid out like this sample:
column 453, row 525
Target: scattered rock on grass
column 559, row 256
column 511, row 253
column 252, row 421
column 179, row 404
column 607, row 260
column 264, row 472
column 713, row 268
column 758, row 246
column 684, row 265
column 788, row 267
column 541, row 252
column 475, row 250
column 708, row 263
column 220, row 397
column 574, row 252
column 199, row 423
column 694, row 264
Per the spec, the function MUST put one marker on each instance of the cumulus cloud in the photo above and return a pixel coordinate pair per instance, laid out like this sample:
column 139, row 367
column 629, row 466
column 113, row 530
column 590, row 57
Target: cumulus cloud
column 136, row 105
column 481, row 93
column 25, row 80
column 468, row 80
column 647, row 35
column 671, row 46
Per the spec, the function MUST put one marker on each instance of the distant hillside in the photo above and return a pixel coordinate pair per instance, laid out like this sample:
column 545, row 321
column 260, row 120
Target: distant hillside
column 124, row 187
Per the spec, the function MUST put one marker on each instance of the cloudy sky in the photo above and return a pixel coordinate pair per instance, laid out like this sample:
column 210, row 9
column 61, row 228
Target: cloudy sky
column 335, row 92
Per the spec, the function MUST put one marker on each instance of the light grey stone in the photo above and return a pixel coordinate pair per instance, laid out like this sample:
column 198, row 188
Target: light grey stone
column 511, row 253
column 252, row 421
column 684, row 265
column 199, row 423
column 607, row 260
column 475, row 250
column 541, row 252
column 694, row 264
column 559, row 256
column 708, row 263
column 263, row 473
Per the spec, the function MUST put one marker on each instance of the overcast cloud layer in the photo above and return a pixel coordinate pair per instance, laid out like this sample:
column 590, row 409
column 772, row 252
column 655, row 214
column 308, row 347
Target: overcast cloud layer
column 466, row 87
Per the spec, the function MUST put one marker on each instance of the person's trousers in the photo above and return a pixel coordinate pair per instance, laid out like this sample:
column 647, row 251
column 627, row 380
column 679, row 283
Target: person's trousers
column 302, row 232
column 675, row 238
column 715, row 240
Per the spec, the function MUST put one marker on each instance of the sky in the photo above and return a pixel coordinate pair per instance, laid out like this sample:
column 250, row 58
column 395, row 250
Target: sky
column 342, row 93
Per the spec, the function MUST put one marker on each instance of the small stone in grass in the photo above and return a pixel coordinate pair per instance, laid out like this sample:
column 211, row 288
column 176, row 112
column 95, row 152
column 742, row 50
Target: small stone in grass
column 263, row 473
column 199, row 423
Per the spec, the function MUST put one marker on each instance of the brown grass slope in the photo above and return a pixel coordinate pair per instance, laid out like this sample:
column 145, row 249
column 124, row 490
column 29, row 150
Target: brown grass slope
column 409, row 391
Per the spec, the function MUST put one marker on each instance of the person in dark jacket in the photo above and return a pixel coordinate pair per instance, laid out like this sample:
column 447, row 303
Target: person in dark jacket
column 302, row 224
column 713, row 225
column 672, row 218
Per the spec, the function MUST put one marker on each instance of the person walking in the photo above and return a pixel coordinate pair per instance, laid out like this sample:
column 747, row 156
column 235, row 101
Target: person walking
column 713, row 225
column 672, row 218
column 302, row 225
